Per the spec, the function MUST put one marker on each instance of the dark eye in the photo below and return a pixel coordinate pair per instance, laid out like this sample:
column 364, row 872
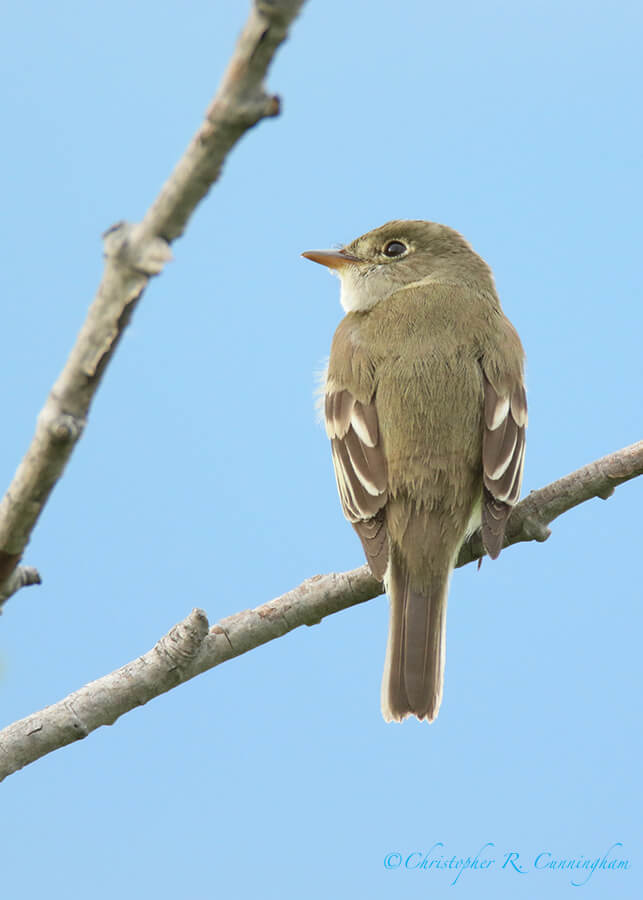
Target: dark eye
column 394, row 248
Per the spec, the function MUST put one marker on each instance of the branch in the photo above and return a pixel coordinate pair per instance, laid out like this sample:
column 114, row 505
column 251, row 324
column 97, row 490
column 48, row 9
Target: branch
column 191, row 648
column 530, row 518
column 23, row 576
column 135, row 253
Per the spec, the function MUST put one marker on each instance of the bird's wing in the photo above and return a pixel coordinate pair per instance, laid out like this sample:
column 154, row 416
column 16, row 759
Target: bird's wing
column 360, row 471
column 503, row 454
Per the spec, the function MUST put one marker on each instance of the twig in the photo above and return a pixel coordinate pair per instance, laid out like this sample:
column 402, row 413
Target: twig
column 134, row 253
column 190, row 648
column 23, row 576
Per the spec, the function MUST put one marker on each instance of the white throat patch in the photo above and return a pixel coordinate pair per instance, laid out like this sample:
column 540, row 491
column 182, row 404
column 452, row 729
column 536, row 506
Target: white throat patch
column 362, row 289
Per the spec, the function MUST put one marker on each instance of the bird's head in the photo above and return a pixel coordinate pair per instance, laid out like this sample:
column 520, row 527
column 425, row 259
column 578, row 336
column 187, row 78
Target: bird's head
column 399, row 254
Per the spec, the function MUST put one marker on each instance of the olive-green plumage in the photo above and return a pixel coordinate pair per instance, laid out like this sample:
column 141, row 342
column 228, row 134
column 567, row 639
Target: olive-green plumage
column 426, row 411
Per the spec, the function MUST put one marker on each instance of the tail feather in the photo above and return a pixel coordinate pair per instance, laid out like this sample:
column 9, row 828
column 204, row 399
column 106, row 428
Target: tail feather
column 416, row 650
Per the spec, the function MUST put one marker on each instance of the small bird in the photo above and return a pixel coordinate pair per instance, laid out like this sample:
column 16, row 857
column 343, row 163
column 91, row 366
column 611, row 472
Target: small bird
column 425, row 408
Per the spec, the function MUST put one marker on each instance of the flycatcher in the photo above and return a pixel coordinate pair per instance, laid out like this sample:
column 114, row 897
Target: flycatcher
column 426, row 411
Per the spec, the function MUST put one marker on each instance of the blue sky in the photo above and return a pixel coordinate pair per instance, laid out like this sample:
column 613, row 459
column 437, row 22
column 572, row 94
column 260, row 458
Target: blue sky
column 204, row 480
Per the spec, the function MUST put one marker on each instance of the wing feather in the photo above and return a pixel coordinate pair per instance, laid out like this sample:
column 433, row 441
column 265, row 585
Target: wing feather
column 503, row 454
column 364, row 422
column 360, row 471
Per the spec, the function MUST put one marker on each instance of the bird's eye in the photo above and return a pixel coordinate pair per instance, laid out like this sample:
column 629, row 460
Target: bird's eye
column 395, row 248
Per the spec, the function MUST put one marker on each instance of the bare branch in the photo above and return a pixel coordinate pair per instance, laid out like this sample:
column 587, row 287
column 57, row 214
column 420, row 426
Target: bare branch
column 530, row 518
column 133, row 255
column 102, row 702
column 190, row 648
column 187, row 650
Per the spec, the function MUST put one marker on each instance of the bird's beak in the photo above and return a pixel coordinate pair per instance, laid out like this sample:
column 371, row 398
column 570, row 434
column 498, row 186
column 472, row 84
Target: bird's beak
column 334, row 259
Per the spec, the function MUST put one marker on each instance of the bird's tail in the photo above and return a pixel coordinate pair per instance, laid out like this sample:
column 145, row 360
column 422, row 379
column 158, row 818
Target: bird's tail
column 416, row 649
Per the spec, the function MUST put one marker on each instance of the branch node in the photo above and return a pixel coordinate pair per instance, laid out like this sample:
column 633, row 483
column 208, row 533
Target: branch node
column 244, row 113
column 65, row 428
column 128, row 246
column 606, row 493
column 152, row 256
column 79, row 728
column 29, row 575
column 182, row 643
column 273, row 105
column 535, row 530
column 23, row 576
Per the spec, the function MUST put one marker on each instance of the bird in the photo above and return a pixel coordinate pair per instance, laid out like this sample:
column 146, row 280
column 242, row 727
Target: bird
column 425, row 407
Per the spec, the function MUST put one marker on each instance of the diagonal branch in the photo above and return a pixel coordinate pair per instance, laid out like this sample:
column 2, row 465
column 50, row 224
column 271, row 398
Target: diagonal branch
column 530, row 518
column 191, row 648
column 134, row 253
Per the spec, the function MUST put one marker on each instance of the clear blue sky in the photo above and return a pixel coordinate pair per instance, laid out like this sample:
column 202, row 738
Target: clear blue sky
column 203, row 479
